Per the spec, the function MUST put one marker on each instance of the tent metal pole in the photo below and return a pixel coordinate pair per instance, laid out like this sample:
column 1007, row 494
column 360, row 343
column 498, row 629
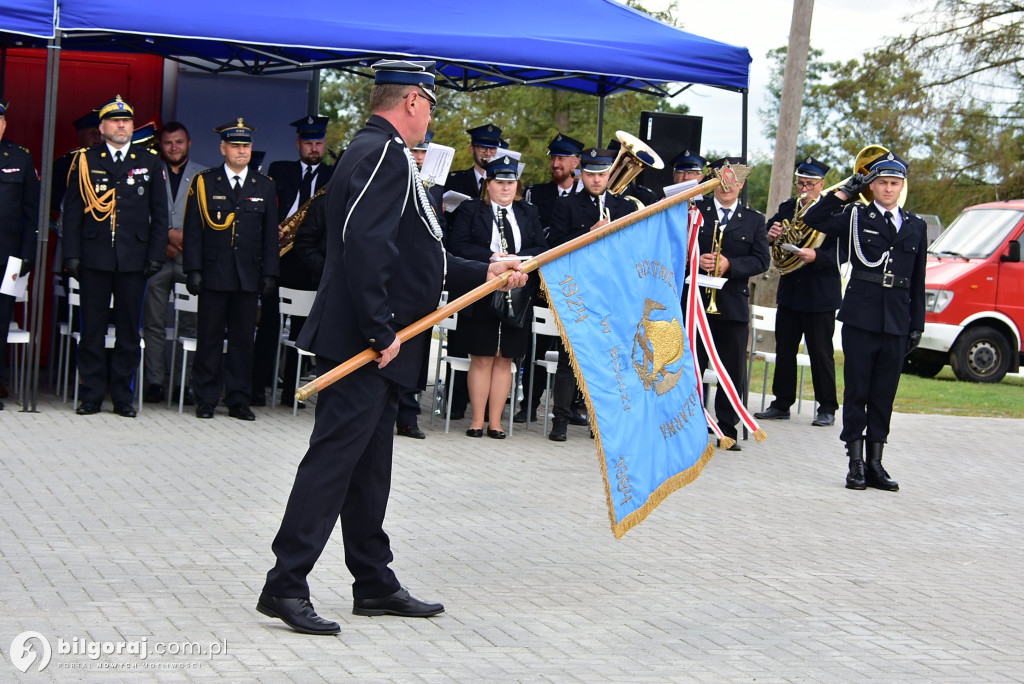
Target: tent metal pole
column 600, row 118
column 29, row 395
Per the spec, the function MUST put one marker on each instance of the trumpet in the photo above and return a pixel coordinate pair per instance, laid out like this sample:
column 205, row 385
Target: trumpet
column 716, row 247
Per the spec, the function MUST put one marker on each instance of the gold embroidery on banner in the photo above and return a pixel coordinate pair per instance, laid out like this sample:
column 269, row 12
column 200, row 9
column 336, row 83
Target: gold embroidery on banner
column 661, row 344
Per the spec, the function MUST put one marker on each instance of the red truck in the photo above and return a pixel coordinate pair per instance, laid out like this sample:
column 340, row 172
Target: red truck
column 974, row 302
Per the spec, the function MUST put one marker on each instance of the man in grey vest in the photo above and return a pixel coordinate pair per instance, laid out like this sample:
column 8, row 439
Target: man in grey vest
column 175, row 144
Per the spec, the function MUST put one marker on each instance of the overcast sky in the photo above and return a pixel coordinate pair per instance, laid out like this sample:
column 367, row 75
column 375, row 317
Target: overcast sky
column 843, row 29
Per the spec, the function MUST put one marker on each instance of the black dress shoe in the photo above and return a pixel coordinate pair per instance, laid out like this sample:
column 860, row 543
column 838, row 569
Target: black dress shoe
column 241, row 413
column 297, row 613
column 577, row 419
column 87, row 408
column 470, row 432
column 154, row 394
column 125, row 410
column 735, row 447
column 495, row 434
column 412, row 431
column 189, row 400
column 458, row 415
column 772, row 414
column 558, row 430
column 520, row 416
column 824, row 419
column 204, row 411
column 287, row 399
column 400, row 603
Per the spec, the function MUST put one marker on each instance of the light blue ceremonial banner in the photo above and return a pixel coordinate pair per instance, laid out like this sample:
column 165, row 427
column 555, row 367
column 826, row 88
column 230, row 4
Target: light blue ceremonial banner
column 617, row 303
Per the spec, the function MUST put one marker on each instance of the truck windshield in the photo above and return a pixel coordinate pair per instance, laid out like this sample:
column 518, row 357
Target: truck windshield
column 976, row 233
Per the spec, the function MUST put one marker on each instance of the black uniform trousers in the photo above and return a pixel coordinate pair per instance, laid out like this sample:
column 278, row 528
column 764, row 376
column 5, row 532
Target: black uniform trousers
column 294, row 275
column 818, row 328
column 346, row 472
column 95, row 314
column 871, row 372
column 6, row 313
column 731, row 342
column 236, row 311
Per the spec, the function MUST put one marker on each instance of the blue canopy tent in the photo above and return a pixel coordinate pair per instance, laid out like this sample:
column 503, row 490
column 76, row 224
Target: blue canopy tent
column 591, row 46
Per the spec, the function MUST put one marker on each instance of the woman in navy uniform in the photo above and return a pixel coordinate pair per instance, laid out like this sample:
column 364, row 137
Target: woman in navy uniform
column 807, row 300
column 744, row 254
column 19, row 219
column 499, row 224
column 385, row 269
column 230, row 255
column 883, row 310
column 114, row 238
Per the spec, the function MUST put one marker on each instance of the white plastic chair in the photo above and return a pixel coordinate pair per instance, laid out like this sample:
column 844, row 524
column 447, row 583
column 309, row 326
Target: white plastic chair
column 189, row 303
column 762, row 318
column 443, row 327
column 18, row 339
column 460, row 364
column 543, row 324
column 292, row 303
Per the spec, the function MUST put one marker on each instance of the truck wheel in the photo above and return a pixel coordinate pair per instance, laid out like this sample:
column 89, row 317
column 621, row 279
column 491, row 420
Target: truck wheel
column 981, row 354
column 923, row 366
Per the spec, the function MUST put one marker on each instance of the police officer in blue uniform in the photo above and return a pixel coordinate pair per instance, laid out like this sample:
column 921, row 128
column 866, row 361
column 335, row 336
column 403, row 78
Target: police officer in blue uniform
column 114, row 238
column 743, row 254
column 19, row 217
column 385, row 269
column 807, row 300
column 230, row 255
column 883, row 309
column 575, row 215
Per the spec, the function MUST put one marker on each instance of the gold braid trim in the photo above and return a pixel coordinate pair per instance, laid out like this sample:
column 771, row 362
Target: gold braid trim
column 100, row 207
column 204, row 210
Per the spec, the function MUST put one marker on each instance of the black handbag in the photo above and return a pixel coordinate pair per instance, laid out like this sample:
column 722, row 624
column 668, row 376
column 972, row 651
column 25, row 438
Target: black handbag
column 514, row 307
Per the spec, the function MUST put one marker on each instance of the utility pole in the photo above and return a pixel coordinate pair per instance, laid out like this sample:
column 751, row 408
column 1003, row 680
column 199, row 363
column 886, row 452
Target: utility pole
column 788, row 131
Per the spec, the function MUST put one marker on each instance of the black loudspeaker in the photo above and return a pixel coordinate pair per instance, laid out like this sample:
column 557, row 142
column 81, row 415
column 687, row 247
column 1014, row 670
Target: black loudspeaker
column 668, row 135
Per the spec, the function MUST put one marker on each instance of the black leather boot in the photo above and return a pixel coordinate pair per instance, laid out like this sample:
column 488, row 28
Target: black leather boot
column 855, row 478
column 875, row 475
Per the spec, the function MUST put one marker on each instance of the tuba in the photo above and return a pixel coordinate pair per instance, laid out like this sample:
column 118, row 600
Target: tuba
column 634, row 156
column 798, row 233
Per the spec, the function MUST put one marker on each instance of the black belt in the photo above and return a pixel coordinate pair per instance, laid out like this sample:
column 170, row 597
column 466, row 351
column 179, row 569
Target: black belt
column 883, row 279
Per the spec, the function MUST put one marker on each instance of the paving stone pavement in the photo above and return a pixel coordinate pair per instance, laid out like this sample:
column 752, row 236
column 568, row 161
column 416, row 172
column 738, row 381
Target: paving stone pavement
column 764, row 570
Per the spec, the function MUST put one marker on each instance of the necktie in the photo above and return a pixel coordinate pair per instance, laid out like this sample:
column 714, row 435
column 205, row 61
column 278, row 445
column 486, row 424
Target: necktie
column 725, row 217
column 237, row 185
column 304, row 186
column 118, row 157
column 890, row 225
column 479, row 186
column 506, row 232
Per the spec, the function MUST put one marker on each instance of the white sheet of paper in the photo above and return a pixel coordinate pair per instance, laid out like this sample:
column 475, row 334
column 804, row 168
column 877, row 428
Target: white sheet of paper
column 680, row 187
column 451, row 200
column 704, row 280
column 789, row 247
column 437, row 163
column 511, row 153
column 14, row 284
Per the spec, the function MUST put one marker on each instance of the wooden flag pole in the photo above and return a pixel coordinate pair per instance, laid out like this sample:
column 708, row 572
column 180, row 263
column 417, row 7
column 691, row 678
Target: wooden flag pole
column 727, row 176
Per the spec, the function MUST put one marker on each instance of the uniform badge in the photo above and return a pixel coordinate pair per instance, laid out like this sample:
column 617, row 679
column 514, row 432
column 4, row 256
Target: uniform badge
column 142, row 190
column 130, row 181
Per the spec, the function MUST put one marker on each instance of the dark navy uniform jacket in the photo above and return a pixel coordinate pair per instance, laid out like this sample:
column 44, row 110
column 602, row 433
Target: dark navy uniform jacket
column 19, row 204
column 868, row 305
column 574, row 215
column 543, row 196
column 464, row 181
column 745, row 245
column 384, row 269
column 229, row 263
column 140, row 205
column 287, row 176
column 814, row 287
